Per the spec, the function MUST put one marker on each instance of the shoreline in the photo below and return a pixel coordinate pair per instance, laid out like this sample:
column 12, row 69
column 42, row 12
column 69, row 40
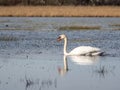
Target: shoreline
column 59, row 11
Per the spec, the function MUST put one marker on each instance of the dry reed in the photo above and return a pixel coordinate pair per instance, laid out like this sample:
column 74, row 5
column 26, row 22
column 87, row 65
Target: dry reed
column 60, row 11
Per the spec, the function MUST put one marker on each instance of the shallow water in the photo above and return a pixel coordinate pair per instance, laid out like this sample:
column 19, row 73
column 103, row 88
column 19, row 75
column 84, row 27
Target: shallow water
column 32, row 59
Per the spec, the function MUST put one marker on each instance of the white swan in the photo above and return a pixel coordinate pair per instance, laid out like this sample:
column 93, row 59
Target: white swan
column 82, row 50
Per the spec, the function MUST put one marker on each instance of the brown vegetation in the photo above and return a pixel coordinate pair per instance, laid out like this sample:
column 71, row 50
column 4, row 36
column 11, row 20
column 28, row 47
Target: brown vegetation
column 79, row 28
column 60, row 11
column 60, row 2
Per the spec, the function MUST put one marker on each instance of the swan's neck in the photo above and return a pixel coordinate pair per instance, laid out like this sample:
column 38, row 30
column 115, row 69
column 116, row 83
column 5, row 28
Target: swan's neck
column 65, row 46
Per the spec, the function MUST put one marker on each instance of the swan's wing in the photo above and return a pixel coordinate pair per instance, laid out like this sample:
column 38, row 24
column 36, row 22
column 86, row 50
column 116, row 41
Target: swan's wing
column 84, row 50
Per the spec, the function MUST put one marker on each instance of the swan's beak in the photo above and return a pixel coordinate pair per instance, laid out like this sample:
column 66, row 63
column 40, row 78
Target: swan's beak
column 59, row 39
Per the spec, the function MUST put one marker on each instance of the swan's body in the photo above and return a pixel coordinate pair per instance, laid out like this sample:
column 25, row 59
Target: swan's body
column 82, row 50
column 85, row 50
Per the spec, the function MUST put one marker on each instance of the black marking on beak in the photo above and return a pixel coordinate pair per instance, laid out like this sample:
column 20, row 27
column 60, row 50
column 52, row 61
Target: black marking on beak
column 59, row 39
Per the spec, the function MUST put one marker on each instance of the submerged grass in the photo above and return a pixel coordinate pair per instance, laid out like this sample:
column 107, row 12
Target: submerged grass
column 116, row 25
column 80, row 28
column 8, row 39
column 116, row 29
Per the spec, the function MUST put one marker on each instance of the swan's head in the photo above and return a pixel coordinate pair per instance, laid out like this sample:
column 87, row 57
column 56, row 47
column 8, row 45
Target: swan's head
column 62, row 36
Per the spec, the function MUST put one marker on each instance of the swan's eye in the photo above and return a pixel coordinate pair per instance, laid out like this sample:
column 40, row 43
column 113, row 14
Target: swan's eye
column 59, row 39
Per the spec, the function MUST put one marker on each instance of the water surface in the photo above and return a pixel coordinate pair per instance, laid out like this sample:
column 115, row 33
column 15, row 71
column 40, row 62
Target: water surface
column 32, row 59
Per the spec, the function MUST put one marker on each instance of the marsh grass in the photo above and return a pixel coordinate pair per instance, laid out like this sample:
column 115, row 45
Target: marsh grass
column 115, row 25
column 60, row 11
column 6, row 38
column 102, row 71
column 116, row 29
column 80, row 28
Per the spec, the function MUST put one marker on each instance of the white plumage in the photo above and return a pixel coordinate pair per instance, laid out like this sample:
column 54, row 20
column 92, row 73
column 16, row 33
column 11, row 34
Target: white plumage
column 82, row 50
column 85, row 50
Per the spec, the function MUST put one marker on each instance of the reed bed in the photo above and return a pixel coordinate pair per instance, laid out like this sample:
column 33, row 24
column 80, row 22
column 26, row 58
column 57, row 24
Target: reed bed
column 60, row 11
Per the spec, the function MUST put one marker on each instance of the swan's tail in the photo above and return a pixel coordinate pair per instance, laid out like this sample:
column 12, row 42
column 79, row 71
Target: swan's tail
column 96, row 54
column 101, row 54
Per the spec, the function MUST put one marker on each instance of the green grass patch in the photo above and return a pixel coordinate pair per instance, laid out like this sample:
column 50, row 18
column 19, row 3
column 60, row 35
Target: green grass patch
column 80, row 28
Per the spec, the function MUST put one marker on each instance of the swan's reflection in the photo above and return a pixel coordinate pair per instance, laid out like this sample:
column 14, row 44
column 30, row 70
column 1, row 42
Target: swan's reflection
column 84, row 60
column 63, row 70
column 80, row 60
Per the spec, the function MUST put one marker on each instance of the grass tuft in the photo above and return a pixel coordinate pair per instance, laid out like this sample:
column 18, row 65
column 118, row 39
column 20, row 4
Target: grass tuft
column 79, row 28
column 8, row 39
column 116, row 25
